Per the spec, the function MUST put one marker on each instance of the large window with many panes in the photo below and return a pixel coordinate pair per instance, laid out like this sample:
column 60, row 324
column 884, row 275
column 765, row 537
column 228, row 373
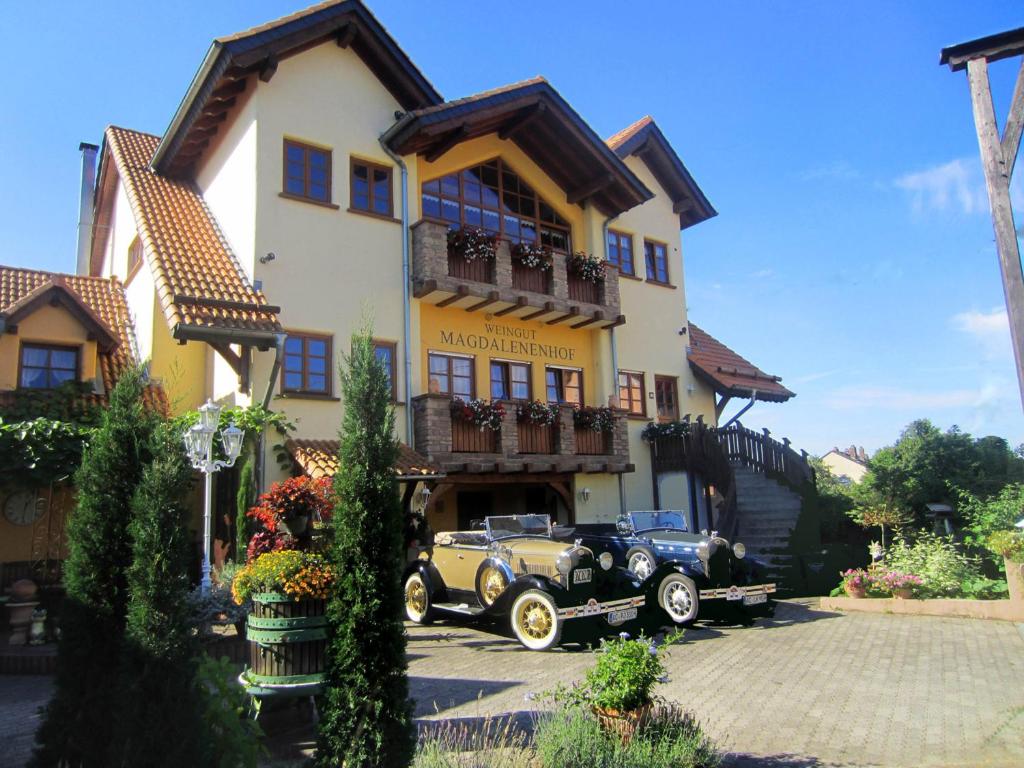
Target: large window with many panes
column 370, row 190
column 620, row 251
column 564, row 385
column 666, row 395
column 493, row 197
column 307, row 364
column 450, row 375
column 307, row 172
column 656, row 256
column 509, row 380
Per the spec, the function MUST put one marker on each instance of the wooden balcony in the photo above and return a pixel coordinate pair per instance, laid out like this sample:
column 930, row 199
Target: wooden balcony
column 457, row 446
column 507, row 289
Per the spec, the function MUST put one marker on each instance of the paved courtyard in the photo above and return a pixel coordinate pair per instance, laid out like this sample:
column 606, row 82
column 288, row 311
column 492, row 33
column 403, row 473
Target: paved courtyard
column 808, row 688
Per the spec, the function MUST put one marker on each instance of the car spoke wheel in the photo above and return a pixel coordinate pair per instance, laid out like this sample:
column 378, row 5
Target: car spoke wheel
column 535, row 620
column 417, row 599
column 641, row 565
column 491, row 584
column 678, row 596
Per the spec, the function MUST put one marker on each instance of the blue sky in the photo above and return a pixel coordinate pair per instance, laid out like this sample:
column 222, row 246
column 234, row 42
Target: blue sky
column 853, row 252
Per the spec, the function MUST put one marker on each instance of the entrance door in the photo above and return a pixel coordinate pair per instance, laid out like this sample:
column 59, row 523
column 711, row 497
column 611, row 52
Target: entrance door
column 473, row 505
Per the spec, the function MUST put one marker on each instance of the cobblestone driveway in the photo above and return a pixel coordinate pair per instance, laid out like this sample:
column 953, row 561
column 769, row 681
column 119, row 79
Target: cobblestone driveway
column 806, row 689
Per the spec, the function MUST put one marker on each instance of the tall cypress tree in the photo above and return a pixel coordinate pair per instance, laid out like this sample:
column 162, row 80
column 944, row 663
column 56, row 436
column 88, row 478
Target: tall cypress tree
column 367, row 718
column 78, row 724
column 158, row 720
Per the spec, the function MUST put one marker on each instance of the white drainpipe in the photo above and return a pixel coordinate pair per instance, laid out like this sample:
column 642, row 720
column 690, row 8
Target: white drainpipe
column 615, row 365
column 406, row 299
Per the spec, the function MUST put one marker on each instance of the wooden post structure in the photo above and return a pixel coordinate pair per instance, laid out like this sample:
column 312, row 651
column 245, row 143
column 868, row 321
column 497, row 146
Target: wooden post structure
column 998, row 156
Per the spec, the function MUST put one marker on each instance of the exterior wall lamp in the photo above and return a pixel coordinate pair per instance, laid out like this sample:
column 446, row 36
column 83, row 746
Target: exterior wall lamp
column 584, row 495
column 199, row 445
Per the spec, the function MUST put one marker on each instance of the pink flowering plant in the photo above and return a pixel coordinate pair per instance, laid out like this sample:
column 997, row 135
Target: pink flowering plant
column 857, row 579
column 892, row 581
column 536, row 412
column 472, row 243
column 479, row 412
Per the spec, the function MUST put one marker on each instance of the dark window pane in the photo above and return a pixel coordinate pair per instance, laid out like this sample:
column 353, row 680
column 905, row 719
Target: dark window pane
column 318, row 383
column 431, row 206
column 293, row 381
column 295, row 154
column 295, row 187
column 473, row 216
column 317, row 159
column 293, row 362
column 293, row 344
column 318, row 191
column 461, row 366
column 491, row 222
column 450, row 186
column 317, row 347
column 489, row 175
column 34, row 356
column 317, row 365
column 438, row 364
column 59, row 375
column 490, row 198
column 34, row 378
column 432, row 187
column 449, row 210
column 471, row 191
column 319, row 175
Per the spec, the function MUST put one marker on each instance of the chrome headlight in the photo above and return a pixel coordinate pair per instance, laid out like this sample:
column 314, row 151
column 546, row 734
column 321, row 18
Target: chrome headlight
column 563, row 564
column 739, row 550
column 606, row 560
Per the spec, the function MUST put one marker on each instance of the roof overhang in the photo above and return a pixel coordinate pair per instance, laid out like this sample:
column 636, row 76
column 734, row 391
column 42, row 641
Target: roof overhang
column 536, row 117
column 728, row 373
column 1001, row 45
column 651, row 146
column 230, row 61
column 57, row 293
column 768, row 394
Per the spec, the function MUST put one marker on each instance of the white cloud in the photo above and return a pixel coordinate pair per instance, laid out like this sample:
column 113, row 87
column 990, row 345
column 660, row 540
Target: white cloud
column 762, row 274
column 956, row 185
column 900, row 399
column 990, row 330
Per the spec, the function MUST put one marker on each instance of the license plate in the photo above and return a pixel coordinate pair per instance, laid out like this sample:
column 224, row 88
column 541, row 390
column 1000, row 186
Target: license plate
column 620, row 617
column 754, row 599
column 734, row 593
column 582, row 575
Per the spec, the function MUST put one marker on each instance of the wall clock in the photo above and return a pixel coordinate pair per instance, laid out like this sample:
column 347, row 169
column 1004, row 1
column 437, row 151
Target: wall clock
column 20, row 508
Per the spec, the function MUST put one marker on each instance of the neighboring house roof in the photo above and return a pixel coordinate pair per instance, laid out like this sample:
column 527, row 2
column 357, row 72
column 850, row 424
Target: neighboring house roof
column 319, row 458
column 536, row 117
column 105, row 306
column 729, row 373
column 199, row 281
column 645, row 139
column 847, row 455
column 233, row 58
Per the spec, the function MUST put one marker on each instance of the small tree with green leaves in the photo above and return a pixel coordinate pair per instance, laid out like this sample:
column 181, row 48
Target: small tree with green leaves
column 367, row 714
column 77, row 726
column 158, row 721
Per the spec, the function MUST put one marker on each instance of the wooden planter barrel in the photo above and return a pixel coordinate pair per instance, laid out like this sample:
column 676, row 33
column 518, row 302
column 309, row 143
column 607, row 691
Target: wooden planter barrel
column 287, row 640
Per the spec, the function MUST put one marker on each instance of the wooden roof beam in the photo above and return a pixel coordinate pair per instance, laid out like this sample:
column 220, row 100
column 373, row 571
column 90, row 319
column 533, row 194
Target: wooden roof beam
column 268, row 68
column 226, row 92
column 524, row 119
column 460, row 293
column 492, row 298
column 549, row 307
column 346, row 35
column 450, row 140
column 582, row 192
column 521, row 302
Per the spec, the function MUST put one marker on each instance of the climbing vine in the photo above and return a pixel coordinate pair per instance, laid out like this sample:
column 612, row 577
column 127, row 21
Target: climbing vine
column 40, row 452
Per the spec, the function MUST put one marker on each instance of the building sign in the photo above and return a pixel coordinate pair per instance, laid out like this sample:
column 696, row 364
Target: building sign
column 506, row 339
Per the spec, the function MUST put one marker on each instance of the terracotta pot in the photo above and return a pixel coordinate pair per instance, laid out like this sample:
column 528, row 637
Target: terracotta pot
column 852, row 591
column 1015, row 579
column 903, row 593
column 296, row 526
column 23, row 590
column 623, row 724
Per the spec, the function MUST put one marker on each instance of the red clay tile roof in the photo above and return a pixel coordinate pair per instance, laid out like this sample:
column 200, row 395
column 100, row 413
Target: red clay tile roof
column 729, row 373
column 198, row 279
column 104, row 299
column 319, row 458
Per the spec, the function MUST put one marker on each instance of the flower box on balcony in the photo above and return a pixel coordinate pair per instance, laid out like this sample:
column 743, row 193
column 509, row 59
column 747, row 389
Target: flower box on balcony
column 471, row 253
column 536, row 438
column 475, row 426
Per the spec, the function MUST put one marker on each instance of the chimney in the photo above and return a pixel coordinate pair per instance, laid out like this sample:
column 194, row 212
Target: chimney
column 863, row 454
column 87, row 196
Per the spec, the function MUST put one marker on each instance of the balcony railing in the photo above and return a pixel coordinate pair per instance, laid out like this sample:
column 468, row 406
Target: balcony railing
column 461, row 446
column 506, row 288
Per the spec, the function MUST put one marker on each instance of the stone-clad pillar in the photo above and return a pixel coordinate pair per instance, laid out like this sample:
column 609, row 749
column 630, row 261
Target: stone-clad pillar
column 503, row 264
column 566, row 431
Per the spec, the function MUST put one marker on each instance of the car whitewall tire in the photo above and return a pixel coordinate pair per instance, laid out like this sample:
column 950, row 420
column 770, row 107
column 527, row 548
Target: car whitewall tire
column 535, row 621
column 417, row 599
column 678, row 596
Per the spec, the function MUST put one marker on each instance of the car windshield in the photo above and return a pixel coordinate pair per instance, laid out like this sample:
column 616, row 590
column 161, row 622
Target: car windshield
column 518, row 525
column 647, row 521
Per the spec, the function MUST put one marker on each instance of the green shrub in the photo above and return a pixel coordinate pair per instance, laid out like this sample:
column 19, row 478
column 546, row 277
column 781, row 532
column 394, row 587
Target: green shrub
column 572, row 738
column 495, row 743
column 233, row 739
column 943, row 568
column 984, row 588
column 1008, row 544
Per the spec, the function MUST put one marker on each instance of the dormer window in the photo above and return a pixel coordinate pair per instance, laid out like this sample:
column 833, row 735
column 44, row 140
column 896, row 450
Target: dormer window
column 44, row 366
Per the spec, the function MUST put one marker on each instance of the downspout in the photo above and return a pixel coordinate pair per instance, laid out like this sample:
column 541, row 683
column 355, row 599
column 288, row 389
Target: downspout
column 275, row 370
column 744, row 409
column 406, row 299
column 615, row 369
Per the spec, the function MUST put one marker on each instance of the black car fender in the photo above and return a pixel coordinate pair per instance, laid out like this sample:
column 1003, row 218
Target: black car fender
column 532, row 581
column 499, row 564
column 647, row 549
column 431, row 578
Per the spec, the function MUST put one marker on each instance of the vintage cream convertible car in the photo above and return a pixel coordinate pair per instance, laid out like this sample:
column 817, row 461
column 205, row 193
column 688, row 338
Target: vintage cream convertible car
column 552, row 592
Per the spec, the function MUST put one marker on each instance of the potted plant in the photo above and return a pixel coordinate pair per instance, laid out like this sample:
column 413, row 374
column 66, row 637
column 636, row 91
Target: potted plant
column 597, row 418
column 532, row 256
column 536, row 412
column 1010, row 545
column 290, row 506
column 586, row 267
column 479, row 412
column 899, row 584
column 856, row 582
column 619, row 688
column 472, row 243
column 654, row 430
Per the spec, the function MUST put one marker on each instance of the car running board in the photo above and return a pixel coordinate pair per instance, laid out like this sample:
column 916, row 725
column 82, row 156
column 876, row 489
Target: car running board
column 463, row 608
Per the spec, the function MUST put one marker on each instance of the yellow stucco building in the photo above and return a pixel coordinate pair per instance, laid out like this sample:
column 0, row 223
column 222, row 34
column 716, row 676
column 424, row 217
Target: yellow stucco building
column 309, row 180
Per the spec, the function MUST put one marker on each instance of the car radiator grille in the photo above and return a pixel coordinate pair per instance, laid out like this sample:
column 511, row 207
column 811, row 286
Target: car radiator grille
column 535, row 569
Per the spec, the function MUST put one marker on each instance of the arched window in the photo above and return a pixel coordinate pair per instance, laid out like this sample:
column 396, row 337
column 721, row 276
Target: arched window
column 495, row 198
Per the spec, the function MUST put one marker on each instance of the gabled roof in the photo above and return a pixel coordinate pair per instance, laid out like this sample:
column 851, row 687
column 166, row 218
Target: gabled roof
column 234, row 58
column 319, row 458
column 105, row 302
column 728, row 373
column 200, row 284
column 645, row 139
column 536, row 117
column 55, row 291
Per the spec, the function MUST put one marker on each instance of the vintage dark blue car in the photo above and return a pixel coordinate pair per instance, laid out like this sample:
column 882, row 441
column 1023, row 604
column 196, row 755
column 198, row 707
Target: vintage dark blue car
column 709, row 576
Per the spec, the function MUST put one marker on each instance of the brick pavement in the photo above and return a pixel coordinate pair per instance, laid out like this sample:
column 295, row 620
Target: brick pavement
column 806, row 689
